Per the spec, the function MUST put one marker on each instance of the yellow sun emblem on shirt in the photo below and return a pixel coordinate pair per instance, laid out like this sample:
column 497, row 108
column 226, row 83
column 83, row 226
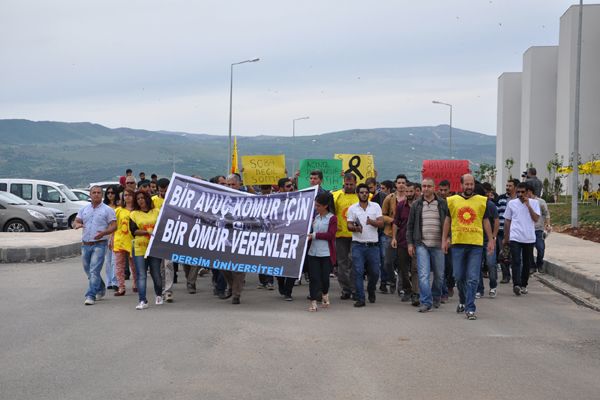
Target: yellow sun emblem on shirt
column 466, row 215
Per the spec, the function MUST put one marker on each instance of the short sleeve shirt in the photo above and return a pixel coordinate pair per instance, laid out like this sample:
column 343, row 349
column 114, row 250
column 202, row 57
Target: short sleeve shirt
column 522, row 227
column 95, row 219
column 369, row 233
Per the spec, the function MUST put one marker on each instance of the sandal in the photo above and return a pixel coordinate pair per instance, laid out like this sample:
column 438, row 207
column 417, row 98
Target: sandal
column 325, row 301
column 313, row 306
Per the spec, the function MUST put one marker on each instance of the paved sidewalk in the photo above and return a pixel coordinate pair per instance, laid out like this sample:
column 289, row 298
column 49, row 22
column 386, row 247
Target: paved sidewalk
column 574, row 261
column 48, row 246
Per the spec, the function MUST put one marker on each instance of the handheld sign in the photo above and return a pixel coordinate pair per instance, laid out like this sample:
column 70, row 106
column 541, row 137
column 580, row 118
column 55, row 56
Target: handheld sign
column 331, row 169
column 361, row 165
column 263, row 170
column 450, row 170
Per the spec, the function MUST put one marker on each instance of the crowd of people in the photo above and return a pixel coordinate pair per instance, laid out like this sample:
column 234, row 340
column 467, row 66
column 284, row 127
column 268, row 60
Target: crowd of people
column 417, row 240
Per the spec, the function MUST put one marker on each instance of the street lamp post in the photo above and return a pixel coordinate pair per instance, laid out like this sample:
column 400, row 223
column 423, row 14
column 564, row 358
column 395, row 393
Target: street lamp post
column 294, row 142
column 575, row 155
column 450, row 137
column 231, row 103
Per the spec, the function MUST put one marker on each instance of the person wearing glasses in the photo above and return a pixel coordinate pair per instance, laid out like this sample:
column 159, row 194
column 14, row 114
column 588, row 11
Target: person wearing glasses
column 519, row 231
column 364, row 219
column 111, row 200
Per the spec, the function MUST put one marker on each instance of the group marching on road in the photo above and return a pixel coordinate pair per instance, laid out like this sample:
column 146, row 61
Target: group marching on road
column 417, row 240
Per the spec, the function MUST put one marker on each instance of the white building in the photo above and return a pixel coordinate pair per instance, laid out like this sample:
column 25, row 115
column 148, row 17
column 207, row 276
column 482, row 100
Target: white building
column 508, row 133
column 589, row 111
column 538, row 108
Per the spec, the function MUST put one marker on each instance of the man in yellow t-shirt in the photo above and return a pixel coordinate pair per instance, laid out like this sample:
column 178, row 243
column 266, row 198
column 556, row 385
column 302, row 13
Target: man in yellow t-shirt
column 468, row 215
column 343, row 199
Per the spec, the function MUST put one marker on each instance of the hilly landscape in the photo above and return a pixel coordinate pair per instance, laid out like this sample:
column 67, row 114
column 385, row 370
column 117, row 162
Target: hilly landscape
column 79, row 153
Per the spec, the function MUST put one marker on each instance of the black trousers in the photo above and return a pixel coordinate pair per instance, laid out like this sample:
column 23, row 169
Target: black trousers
column 319, row 269
column 522, row 261
column 285, row 285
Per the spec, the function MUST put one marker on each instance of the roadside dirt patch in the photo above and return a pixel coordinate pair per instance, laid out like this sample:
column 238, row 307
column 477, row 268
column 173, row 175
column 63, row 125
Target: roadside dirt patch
column 583, row 232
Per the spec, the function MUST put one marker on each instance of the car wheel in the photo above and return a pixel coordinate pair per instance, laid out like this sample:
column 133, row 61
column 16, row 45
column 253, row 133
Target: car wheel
column 72, row 221
column 16, row 225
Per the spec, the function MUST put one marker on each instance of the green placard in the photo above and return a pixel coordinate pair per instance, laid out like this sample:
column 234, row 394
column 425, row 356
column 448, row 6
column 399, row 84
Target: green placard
column 332, row 169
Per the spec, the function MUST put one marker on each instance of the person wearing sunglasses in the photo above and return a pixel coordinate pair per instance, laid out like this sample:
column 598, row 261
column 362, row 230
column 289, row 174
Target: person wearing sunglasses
column 519, row 232
column 111, row 200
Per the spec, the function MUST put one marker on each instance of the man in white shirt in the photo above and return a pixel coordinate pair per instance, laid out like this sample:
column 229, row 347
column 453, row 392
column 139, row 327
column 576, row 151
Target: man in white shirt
column 519, row 230
column 364, row 218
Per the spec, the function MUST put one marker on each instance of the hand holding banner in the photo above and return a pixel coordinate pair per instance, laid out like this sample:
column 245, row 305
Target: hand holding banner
column 263, row 169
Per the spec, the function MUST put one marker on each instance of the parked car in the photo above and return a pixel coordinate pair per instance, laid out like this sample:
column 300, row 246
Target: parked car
column 103, row 185
column 17, row 215
column 45, row 193
column 82, row 194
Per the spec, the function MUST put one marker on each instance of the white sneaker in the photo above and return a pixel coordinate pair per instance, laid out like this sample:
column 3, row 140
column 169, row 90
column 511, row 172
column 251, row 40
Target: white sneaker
column 142, row 306
column 524, row 290
column 493, row 292
column 99, row 296
column 89, row 301
column 159, row 300
column 477, row 295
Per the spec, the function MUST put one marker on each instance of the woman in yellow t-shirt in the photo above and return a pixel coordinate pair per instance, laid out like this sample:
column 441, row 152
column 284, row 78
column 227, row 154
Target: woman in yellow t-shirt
column 122, row 242
column 141, row 225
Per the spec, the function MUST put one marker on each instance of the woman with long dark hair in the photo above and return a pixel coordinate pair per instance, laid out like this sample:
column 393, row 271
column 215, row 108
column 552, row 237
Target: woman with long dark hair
column 111, row 199
column 321, row 254
column 141, row 224
column 123, row 240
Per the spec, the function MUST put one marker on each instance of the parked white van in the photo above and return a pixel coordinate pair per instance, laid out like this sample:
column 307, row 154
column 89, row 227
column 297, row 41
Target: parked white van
column 45, row 193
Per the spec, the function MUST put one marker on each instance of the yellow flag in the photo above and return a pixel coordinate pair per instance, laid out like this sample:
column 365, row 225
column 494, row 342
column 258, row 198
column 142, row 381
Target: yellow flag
column 234, row 157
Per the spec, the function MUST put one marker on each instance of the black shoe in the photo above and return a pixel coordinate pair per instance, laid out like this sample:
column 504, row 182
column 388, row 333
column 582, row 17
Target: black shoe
column 392, row 289
column 225, row 296
column 353, row 296
column 191, row 288
column 436, row 303
column 505, row 279
column 345, row 296
column 235, row 300
column 372, row 297
column 460, row 308
column 383, row 289
column 359, row 304
column 517, row 290
column 405, row 297
column 415, row 300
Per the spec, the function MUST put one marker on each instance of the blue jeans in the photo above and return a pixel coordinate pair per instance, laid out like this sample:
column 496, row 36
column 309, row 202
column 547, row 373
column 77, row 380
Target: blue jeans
column 466, row 261
column 540, row 247
column 110, row 271
column 384, row 243
column 365, row 255
column 141, row 267
column 93, row 259
column 430, row 259
column 490, row 261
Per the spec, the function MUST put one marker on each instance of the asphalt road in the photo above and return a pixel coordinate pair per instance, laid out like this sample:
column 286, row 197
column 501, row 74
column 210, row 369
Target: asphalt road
column 539, row 346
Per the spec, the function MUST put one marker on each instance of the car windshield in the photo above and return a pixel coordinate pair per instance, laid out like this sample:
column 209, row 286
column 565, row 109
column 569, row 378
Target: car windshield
column 67, row 192
column 12, row 199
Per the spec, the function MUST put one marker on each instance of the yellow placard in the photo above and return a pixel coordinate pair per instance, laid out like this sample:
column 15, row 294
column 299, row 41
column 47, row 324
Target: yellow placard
column 263, row 170
column 361, row 165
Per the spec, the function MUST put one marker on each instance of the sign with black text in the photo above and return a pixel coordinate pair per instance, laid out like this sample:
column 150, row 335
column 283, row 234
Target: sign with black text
column 212, row 226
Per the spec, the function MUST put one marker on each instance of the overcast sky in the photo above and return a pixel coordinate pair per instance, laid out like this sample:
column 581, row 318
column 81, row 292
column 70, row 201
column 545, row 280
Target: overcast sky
column 164, row 65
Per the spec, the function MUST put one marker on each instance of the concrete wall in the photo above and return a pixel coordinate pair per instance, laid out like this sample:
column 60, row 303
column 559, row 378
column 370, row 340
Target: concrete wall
column 589, row 129
column 508, row 133
column 538, row 108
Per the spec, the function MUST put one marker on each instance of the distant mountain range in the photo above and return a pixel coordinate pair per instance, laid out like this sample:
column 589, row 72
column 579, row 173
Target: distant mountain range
column 79, row 153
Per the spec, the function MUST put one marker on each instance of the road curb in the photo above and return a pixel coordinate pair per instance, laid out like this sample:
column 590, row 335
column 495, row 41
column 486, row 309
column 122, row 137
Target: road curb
column 574, row 277
column 578, row 296
column 39, row 254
